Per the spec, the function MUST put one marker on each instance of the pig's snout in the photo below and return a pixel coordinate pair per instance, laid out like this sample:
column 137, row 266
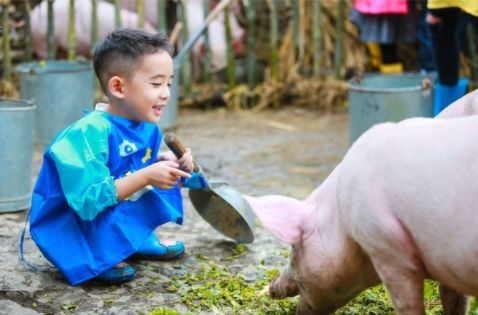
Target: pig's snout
column 282, row 287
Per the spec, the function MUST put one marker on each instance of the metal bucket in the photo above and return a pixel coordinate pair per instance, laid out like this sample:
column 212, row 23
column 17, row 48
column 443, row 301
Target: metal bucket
column 169, row 118
column 377, row 98
column 16, row 142
column 61, row 90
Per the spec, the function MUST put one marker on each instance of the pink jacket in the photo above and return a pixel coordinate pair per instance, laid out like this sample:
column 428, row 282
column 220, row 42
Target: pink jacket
column 381, row 6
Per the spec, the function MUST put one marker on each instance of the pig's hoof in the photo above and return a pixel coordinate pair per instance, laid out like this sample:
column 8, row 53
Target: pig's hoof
column 281, row 288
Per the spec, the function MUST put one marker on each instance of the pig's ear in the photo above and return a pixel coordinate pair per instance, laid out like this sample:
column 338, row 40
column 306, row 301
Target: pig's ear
column 286, row 218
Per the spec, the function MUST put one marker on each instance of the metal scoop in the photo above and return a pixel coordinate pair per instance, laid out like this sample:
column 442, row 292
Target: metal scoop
column 219, row 204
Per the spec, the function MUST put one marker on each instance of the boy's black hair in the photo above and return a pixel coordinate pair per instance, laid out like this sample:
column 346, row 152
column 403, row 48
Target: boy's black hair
column 121, row 52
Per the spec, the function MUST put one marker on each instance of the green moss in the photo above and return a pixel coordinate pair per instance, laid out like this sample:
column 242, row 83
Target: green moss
column 213, row 288
column 163, row 311
column 109, row 301
column 377, row 301
column 69, row 307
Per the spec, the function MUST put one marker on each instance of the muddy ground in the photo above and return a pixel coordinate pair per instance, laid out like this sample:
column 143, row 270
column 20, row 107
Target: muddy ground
column 288, row 151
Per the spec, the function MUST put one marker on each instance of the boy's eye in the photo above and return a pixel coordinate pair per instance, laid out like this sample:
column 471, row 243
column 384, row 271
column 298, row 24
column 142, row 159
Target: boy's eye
column 156, row 84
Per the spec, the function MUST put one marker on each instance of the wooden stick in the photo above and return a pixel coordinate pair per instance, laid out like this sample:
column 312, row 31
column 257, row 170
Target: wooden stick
column 140, row 12
column 339, row 26
column 316, row 38
column 51, row 44
column 28, row 32
column 117, row 13
column 173, row 37
column 251, row 53
column 94, row 22
column 231, row 65
column 162, row 22
column 71, row 31
column 7, row 60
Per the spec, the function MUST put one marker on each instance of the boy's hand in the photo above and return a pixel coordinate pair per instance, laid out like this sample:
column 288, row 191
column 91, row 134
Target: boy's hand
column 165, row 174
column 186, row 161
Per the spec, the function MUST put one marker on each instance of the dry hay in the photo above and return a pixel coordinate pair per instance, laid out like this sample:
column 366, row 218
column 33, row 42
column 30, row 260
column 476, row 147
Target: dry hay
column 202, row 94
column 325, row 95
column 9, row 89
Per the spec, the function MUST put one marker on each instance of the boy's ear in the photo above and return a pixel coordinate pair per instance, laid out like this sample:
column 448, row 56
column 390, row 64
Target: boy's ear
column 116, row 87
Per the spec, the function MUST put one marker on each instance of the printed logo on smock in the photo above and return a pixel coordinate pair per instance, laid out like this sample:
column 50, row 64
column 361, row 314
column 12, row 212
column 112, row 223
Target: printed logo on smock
column 126, row 148
column 147, row 156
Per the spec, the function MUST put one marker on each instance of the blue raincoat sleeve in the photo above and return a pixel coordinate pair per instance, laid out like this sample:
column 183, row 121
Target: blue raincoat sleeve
column 80, row 155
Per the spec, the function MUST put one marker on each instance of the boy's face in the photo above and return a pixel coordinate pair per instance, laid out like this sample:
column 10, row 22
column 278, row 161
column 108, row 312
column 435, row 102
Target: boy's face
column 147, row 92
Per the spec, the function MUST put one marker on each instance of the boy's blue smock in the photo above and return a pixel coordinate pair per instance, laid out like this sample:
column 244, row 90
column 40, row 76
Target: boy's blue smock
column 76, row 219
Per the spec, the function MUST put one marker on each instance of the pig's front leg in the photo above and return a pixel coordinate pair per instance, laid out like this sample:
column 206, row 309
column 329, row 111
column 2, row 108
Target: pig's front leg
column 452, row 301
column 283, row 285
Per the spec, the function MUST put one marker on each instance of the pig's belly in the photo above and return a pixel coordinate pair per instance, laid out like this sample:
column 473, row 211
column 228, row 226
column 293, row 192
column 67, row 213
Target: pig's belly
column 447, row 241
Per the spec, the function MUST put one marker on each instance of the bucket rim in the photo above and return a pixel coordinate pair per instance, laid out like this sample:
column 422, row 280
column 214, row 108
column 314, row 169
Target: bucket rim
column 353, row 85
column 21, row 104
column 39, row 67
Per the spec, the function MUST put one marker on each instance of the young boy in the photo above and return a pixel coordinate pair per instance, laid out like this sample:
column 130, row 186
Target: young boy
column 101, row 193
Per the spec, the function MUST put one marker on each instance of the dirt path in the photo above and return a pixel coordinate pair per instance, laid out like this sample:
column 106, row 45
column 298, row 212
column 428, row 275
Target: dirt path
column 286, row 152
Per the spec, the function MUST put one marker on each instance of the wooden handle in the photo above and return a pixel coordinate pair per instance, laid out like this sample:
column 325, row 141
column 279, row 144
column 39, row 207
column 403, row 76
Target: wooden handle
column 175, row 145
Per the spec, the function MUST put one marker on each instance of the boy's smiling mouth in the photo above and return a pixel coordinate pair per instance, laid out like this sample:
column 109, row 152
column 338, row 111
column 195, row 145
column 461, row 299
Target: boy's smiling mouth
column 157, row 109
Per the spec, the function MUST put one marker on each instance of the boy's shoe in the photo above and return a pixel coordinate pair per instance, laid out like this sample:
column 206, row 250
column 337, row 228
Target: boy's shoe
column 118, row 274
column 154, row 250
column 447, row 94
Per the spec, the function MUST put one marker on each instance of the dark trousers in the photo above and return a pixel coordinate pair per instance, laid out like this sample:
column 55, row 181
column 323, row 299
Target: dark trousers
column 446, row 42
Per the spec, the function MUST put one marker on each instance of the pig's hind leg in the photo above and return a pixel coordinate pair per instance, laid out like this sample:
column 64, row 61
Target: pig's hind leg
column 453, row 302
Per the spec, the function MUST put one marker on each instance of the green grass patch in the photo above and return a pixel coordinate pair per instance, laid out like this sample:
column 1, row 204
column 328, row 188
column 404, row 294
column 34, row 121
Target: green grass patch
column 212, row 288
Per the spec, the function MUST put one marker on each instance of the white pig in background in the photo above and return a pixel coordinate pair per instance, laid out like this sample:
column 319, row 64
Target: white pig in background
column 401, row 207
column 83, row 9
column 195, row 18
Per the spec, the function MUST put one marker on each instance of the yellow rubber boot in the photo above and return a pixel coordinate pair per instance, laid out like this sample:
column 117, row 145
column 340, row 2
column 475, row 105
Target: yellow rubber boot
column 375, row 54
column 391, row 68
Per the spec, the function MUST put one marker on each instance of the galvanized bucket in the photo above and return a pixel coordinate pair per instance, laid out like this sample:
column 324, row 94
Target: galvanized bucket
column 61, row 90
column 16, row 142
column 376, row 98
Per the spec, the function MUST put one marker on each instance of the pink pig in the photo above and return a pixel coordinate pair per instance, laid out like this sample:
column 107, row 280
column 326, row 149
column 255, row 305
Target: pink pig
column 393, row 211
column 195, row 19
column 83, row 9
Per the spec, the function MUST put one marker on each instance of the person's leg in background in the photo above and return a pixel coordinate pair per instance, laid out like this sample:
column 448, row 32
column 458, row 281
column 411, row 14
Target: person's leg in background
column 390, row 62
column 426, row 60
column 445, row 31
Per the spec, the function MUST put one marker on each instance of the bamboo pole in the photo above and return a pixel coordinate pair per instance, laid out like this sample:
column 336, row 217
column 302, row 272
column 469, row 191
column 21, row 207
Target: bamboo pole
column 231, row 65
column 71, row 31
column 162, row 22
column 94, row 22
column 186, row 64
column 207, row 53
column 7, row 60
column 140, row 12
column 28, row 31
column 316, row 38
column 274, row 31
column 339, row 27
column 251, row 53
column 296, row 23
column 117, row 14
column 51, row 44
